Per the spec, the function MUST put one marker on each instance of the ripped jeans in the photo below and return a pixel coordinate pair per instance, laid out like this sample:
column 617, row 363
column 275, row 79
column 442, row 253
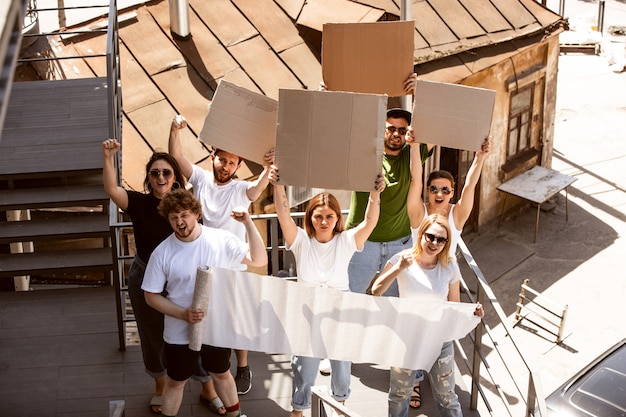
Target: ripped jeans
column 442, row 382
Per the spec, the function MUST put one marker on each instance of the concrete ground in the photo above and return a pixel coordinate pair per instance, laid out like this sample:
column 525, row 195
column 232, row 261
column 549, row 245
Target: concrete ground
column 575, row 263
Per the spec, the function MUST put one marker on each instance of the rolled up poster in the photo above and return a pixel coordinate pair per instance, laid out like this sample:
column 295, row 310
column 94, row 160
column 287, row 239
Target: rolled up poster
column 200, row 301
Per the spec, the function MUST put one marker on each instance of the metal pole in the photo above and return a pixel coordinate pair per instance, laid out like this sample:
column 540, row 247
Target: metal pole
column 601, row 16
column 406, row 14
column 179, row 19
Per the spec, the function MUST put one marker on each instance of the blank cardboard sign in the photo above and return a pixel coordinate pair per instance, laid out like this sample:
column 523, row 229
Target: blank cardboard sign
column 331, row 140
column 452, row 115
column 241, row 121
column 371, row 58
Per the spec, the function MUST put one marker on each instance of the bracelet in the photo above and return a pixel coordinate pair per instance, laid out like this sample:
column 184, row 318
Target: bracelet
column 373, row 201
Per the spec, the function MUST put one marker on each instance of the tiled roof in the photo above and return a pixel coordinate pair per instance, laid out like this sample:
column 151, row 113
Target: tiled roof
column 265, row 45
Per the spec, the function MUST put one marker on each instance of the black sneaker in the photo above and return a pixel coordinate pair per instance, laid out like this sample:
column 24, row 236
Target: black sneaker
column 243, row 380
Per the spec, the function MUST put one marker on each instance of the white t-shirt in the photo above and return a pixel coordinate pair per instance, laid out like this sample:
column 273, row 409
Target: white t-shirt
column 173, row 266
column 324, row 264
column 218, row 201
column 415, row 281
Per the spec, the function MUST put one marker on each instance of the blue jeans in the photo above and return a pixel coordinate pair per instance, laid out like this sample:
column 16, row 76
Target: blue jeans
column 149, row 322
column 442, row 382
column 304, row 374
column 150, row 326
column 371, row 260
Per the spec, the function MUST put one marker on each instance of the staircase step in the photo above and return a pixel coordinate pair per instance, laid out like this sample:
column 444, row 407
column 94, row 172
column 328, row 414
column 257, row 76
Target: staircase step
column 65, row 196
column 63, row 226
column 100, row 259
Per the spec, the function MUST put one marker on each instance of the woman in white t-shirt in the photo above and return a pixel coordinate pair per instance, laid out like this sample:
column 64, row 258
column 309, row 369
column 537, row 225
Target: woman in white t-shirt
column 440, row 191
column 322, row 251
column 427, row 270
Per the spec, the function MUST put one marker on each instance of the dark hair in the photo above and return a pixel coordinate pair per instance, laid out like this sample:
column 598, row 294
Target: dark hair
column 398, row 113
column 218, row 150
column 179, row 200
column 320, row 200
column 443, row 257
column 164, row 156
column 440, row 174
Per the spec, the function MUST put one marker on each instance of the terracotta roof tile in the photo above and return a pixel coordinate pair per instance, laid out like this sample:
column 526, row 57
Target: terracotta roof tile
column 317, row 12
column 304, row 64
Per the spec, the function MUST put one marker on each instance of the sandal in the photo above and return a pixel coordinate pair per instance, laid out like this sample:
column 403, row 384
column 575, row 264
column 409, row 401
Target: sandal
column 416, row 397
column 155, row 404
column 215, row 405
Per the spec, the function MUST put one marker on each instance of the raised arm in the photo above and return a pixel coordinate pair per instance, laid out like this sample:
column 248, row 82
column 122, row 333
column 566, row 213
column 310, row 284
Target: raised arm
column 257, row 255
column 372, row 212
column 109, row 177
column 464, row 205
column 175, row 148
column 255, row 188
column 287, row 225
column 414, row 198
column 390, row 273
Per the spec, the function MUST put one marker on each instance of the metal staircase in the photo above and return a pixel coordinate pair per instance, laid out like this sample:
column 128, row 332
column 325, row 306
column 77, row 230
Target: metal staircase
column 54, row 213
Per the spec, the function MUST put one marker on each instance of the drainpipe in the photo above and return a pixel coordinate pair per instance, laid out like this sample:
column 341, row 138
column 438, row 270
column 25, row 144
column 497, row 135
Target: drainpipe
column 179, row 19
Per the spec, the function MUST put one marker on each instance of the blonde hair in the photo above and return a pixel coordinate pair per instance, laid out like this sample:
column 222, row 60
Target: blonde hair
column 443, row 257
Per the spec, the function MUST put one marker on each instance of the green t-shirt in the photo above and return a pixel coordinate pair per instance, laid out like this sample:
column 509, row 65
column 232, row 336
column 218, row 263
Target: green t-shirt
column 393, row 222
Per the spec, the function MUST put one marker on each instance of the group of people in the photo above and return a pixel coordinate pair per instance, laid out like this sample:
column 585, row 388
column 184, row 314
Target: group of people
column 394, row 243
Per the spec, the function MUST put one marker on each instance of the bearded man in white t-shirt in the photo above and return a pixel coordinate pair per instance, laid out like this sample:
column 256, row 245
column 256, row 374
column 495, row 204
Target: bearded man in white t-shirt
column 219, row 192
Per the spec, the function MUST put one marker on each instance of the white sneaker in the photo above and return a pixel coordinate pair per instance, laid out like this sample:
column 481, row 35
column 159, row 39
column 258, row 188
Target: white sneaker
column 325, row 367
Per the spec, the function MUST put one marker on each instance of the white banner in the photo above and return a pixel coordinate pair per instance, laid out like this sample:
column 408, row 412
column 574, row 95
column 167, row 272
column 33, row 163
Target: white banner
column 269, row 314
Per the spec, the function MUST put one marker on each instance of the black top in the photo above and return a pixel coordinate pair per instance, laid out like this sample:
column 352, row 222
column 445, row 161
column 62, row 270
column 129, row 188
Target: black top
column 149, row 226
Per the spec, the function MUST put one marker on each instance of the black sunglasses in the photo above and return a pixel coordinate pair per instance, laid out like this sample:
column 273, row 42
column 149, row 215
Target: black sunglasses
column 434, row 189
column 156, row 172
column 432, row 239
column 401, row 130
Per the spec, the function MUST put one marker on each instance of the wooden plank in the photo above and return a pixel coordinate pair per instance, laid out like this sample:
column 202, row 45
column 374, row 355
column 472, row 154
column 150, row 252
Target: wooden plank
column 72, row 225
column 159, row 53
column 457, row 18
column 271, row 22
column 304, row 64
column 430, row 26
column 188, row 92
column 204, row 51
column 226, row 22
column 57, row 261
column 486, row 15
column 516, row 13
column 264, row 66
column 67, row 196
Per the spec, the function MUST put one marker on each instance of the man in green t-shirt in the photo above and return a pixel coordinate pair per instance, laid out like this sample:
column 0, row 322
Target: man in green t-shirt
column 393, row 231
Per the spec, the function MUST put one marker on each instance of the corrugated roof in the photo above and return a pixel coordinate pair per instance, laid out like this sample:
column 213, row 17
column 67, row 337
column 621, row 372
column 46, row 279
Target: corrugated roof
column 265, row 45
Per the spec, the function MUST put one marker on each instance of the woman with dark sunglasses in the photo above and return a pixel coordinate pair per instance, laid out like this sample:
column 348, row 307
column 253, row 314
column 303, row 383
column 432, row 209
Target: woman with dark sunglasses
column 163, row 174
column 426, row 270
column 440, row 190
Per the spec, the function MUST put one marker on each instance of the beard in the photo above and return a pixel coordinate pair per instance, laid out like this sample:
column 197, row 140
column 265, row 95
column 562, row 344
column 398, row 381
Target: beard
column 221, row 178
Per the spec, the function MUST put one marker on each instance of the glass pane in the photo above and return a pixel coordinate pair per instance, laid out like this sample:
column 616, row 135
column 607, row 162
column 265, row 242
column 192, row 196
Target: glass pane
column 511, row 148
column 521, row 101
column 523, row 137
column 525, row 117
column 512, row 123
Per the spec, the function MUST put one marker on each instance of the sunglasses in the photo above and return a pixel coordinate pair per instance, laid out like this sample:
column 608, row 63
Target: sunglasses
column 401, row 130
column 440, row 240
column 434, row 189
column 156, row 172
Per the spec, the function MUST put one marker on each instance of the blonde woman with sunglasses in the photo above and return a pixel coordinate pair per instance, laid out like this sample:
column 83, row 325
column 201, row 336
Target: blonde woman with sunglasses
column 440, row 191
column 427, row 270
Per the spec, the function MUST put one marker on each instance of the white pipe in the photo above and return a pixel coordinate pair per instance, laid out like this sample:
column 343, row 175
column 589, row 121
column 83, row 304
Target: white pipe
column 179, row 19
